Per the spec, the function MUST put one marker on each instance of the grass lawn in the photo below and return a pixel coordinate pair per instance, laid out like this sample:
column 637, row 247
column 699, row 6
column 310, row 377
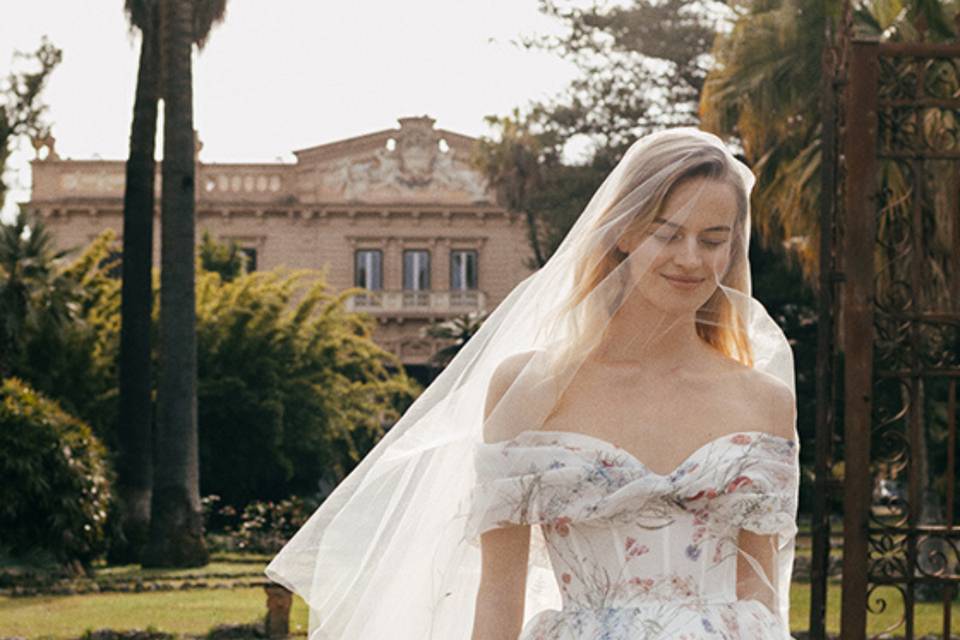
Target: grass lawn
column 188, row 612
column 221, row 564
column 928, row 617
column 197, row 611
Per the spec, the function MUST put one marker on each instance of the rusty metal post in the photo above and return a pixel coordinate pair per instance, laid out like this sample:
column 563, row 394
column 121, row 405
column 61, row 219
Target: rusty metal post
column 823, row 442
column 858, row 301
column 279, row 600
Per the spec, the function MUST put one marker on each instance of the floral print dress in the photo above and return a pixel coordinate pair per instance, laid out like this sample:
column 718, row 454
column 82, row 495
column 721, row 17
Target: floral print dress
column 636, row 554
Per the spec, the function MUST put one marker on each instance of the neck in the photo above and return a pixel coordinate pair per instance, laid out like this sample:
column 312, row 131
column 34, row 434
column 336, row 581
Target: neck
column 642, row 333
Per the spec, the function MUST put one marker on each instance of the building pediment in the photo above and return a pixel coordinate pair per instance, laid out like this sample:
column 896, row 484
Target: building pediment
column 413, row 163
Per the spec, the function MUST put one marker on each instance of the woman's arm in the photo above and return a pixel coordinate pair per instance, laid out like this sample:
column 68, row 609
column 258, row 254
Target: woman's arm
column 504, row 552
column 503, row 582
column 750, row 584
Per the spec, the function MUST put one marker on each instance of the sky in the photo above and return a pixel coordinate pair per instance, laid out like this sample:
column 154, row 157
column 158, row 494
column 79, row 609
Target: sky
column 282, row 75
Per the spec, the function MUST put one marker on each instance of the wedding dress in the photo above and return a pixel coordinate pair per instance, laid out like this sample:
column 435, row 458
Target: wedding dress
column 638, row 555
column 656, row 266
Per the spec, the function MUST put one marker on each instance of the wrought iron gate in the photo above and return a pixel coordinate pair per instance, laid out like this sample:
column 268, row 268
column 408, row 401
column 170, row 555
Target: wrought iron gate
column 891, row 340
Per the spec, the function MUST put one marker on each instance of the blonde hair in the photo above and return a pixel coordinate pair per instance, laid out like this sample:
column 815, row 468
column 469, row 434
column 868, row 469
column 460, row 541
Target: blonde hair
column 718, row 322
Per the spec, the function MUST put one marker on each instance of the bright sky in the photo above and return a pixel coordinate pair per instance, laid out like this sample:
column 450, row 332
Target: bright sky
column 280, row 75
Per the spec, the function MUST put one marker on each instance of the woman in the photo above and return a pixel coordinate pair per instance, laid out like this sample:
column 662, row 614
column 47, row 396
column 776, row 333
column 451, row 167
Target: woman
column 613, row 454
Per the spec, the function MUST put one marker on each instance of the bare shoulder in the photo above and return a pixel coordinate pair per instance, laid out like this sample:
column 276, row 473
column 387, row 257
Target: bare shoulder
column 773, row 402
column 503, row 376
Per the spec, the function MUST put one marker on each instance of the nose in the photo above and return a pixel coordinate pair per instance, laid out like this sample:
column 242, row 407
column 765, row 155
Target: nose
column 688, row 255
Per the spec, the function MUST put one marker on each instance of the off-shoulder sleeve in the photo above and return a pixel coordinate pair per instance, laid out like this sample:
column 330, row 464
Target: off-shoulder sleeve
column 521, row 483
column 761, row 497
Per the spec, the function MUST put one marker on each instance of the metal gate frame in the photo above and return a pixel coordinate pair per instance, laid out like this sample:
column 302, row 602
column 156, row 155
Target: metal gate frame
column 879, row 552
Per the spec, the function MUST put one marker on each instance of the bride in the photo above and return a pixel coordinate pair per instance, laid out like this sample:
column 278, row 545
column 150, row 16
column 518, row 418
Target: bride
column 613, row 455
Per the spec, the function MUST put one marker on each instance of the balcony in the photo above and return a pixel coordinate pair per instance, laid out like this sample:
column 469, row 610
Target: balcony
column 418, row 302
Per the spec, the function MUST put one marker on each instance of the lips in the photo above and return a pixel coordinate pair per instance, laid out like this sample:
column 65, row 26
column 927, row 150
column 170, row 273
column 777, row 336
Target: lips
column 682, row 280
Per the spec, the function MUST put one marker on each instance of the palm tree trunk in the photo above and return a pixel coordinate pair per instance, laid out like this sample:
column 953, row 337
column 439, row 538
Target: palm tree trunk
column 176, row 524
column 135, row 432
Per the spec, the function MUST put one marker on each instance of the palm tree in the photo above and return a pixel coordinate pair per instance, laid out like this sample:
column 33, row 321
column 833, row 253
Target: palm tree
column 176, row 525
column 765, row 89
column 34, row 289
column 135, row 459
column 455, row 332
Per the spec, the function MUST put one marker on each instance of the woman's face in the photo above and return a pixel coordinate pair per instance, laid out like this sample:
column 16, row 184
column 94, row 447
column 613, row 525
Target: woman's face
column 680, row 259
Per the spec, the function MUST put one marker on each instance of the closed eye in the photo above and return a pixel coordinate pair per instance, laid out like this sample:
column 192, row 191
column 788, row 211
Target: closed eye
column 709, row 243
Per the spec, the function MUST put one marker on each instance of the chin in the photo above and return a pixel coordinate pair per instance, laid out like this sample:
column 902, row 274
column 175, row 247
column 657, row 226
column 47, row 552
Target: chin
column 671, row 301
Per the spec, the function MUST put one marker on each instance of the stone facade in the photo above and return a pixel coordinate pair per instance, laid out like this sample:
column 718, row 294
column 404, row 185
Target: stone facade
column 380, row 201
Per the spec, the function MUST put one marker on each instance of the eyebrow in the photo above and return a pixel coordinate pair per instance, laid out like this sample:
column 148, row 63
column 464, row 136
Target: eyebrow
column 680, row 226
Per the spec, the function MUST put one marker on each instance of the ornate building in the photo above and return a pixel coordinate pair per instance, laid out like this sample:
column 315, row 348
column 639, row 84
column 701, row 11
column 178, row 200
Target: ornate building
column 400, row 212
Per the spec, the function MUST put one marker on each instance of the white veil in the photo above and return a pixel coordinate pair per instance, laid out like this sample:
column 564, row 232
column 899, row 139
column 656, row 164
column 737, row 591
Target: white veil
column 391, row 553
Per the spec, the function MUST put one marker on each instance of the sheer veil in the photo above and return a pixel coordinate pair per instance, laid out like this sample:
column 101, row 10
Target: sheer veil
column 394, row 551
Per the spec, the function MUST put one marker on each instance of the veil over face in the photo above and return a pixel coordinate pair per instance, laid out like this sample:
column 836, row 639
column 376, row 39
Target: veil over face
column 656, row 264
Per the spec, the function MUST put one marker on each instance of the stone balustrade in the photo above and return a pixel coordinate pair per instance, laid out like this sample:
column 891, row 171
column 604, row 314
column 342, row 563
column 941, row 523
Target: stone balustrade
column 104, row 179
column 399, row 302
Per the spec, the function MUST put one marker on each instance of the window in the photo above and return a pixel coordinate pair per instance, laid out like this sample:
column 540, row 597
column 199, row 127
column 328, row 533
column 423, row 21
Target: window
column 368, row 271
column 250, row 258
column 463, row 270
column 416, row 270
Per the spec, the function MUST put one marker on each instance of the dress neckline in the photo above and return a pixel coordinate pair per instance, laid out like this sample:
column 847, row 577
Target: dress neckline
column 683, row 463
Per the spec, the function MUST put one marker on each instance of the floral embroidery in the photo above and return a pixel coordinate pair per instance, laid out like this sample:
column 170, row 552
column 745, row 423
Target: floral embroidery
column 638, row 555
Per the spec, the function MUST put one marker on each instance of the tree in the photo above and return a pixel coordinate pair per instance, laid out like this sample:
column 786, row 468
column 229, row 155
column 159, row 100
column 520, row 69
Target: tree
column 764, row 91
column 455, row 332
column 34, row 292
column 135, row 428
column 21, row 110
column 226, row 259
column 513, row 165
column 176, row 522
column 642, row 66
column 293, row 390
column 523, row 166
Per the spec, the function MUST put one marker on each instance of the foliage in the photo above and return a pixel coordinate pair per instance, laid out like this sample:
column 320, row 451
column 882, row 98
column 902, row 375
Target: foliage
column 765, row 91
column 261, row 527
column 642, row 65
column 56, row 481
column 455, row 332
column 21, row 110
column 523, row 166
column 206, row 15
column 32, row 292
column 59, row 320
column 292, row 389
column 225, row 259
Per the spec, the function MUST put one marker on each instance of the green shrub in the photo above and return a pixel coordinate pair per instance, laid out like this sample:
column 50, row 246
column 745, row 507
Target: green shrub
column 262, row 526
column 55, row 489
column 292, row 389
column 66, row 345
